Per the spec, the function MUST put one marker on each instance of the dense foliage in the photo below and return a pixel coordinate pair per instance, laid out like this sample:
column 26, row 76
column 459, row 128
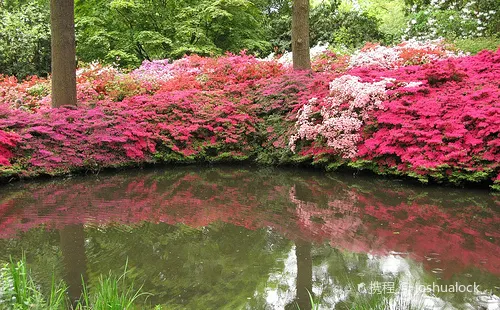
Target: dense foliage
column 453, row 18
column 127, row 32
column 416, row 109
column 24, row 38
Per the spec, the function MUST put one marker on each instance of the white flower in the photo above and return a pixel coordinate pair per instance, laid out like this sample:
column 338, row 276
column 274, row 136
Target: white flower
column 451, row 17
column 413, row 21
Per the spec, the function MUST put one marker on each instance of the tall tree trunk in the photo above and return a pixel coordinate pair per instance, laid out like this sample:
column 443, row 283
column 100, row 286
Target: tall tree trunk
column 300, row 35
column 62, row 20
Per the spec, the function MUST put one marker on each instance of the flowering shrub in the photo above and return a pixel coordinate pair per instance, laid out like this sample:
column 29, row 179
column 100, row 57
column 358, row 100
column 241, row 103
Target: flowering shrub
column 410, row 52
column 453, row 124
column 416, row 109
column 438, row 121
column 330, row 62
column 181, row 124
column 156, row 70
column 25, row 94
column 7, row 142
column 342, row 114
column 195, row 72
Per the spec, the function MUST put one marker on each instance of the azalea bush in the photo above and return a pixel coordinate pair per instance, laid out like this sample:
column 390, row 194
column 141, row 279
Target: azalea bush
column 419, row 109
column 341, row 115
column 438, row 121
column 410, row 52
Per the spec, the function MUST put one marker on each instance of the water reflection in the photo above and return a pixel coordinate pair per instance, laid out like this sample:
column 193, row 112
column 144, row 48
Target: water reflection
column 222, row 238
column 74, row 259
column 304, row 274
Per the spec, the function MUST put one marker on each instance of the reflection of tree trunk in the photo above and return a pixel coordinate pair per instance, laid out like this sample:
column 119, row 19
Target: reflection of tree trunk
column 72, row 238
column 304, row 274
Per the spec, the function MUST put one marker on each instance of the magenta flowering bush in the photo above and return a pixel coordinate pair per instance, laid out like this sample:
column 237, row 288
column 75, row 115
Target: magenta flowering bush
column 183, row 125
column 7, row 142
column 428, row 113
column 448, row 126
column 438, row 121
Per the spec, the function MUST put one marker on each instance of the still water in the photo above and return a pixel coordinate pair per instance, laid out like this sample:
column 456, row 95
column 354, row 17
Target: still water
column 248, row 238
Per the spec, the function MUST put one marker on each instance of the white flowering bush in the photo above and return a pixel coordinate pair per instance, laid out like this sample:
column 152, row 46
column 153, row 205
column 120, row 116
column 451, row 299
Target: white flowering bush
column 407, row 53
column 342, row 114
column 380, row 56
column 453, row 19
column 287, row 58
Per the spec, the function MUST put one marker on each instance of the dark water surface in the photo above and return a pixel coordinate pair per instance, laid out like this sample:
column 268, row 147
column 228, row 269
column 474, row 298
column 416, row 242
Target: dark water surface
column 247, row 238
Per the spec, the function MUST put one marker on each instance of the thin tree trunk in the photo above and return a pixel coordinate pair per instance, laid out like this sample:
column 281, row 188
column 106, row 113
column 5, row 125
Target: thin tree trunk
column 62, row 19
column 300, row 35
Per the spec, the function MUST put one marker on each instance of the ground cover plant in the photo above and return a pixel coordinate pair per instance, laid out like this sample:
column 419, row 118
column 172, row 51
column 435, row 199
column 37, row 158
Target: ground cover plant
column 418, row 109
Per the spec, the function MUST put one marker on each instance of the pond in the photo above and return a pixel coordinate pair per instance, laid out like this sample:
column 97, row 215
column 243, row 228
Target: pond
column 255, row 238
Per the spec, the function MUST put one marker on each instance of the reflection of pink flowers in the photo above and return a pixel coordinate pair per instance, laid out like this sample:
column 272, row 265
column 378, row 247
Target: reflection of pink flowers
column 352, row 218
column 361, row 222
column 339, row 222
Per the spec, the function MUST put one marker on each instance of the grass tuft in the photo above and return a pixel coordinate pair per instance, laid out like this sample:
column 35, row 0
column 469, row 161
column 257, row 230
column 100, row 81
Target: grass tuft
column 18, row 291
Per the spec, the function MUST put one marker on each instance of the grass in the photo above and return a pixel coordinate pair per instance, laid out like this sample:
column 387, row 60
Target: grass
column 18, row 291
column 111, row 293
column 314, row 305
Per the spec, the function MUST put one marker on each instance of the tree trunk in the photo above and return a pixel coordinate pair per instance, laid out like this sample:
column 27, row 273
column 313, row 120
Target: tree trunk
column 300, row 35
column 62, row 20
